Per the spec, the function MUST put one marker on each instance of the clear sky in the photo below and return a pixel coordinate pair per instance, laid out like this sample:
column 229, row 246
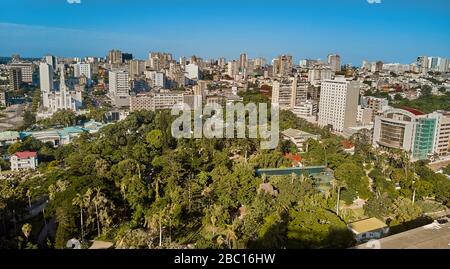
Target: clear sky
column 393, row 30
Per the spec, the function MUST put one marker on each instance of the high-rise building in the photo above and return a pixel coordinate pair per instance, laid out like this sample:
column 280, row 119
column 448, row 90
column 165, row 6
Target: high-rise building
column 288, row 93
column 15, row 78
column 233, row 68
column 222, row 62
column 422, row 64
column 442, row 65
column 136, row 68
column 82, row 69
column 334, row 61
column 282, row 65
column 192, row 71
column 118, row 82
column 26, row 70
column 259, row 62
column 243, row 61
column 338, row 103
column 46, row 82
column 52, row 61
column 115, row 57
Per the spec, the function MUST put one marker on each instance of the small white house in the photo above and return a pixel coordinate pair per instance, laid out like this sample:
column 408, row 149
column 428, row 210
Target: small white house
column 367, row 229
column 24, row 160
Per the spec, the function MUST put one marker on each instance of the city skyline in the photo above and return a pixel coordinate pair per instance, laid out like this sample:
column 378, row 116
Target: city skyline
column 394, row 31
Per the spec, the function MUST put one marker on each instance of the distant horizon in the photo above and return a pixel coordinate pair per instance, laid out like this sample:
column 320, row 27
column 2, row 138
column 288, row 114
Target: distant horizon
column 394, row 31
column 175, row 57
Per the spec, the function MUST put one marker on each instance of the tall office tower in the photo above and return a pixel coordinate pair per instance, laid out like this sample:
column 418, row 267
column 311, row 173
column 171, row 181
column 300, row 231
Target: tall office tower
column 338, row 105
column 80, row 69
column 334, row 60
column 222, row 62
column 282, row 65
column 136, row 68
column 192, row 71
column 26, row 70
column 442, row 65
column 46, row 82
column 233, row 68
column 15, row 78
column 115, row 57
column 243, row 61
column 422, row 64
column 52, row 61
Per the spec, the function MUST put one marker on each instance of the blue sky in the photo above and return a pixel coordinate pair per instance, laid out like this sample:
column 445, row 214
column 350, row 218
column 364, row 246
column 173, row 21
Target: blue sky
column 393, row 31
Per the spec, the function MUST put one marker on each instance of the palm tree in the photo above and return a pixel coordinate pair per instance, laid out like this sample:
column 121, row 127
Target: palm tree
column 79, row 201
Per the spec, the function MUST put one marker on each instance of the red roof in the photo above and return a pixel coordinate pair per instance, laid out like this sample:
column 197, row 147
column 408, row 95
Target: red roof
column 414, row 111
column 25, row 154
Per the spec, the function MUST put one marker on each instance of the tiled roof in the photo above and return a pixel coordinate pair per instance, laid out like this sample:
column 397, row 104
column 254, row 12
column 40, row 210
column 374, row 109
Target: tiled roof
column 25, row 154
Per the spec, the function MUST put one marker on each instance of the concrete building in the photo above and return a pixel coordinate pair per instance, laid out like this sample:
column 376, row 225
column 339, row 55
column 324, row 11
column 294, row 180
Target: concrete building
column 192, row 71
column 46, row 82
column 15, row 78
column 306, row 109
column 406, row 129
column 24, row 160
column 119, row 87
column 338, row 103
column 52, row 61
column 287, row 93
column 442, row 140
column 26, row 70
column 115, row 57
column 136, row 68
column 298, row 137
column 243, row 61
column 83, row 69
column 156, row 101
column 282, row 65
column 334, row 61
column 233, row 68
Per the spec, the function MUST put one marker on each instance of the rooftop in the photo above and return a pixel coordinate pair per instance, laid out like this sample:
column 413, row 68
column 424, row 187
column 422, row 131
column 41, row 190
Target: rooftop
column 414, row 111
column 431, row 236
column 295, row 133
column 25, row 154
column 367, row 225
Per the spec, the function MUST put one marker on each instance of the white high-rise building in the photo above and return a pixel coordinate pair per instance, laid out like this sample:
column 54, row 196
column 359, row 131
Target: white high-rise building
column 192, row 71
column 83, row 69
column 46, row 82
column 338, row 105
column 118, row 82
column 52, row 61
column 442, row 65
